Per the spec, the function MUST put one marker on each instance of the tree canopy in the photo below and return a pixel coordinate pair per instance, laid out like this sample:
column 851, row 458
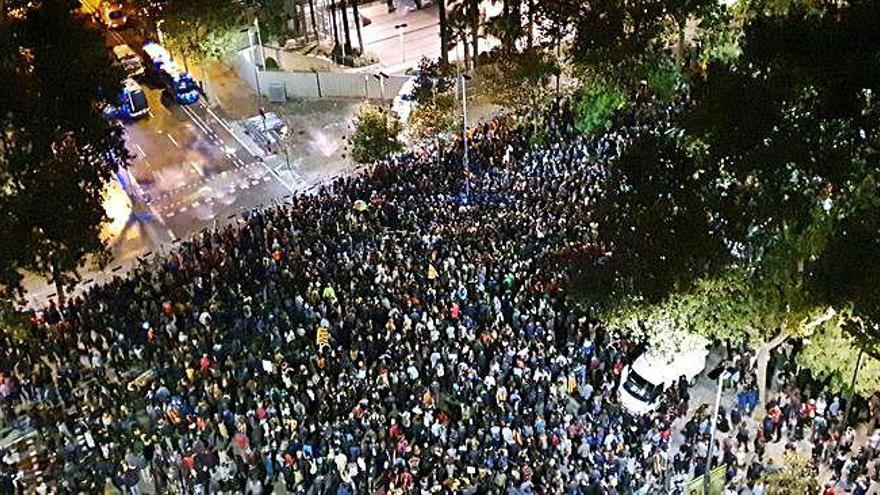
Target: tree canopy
column 376, row 134
column 202, row 30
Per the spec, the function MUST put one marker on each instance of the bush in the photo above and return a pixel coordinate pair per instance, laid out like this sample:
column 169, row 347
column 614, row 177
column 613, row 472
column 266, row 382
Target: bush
column 271, row 64
column 376, row 134
column 596, row 105
column 830, row 354
column 431, row 80
column 434, row 117
column 664, row 79
column 518, row 79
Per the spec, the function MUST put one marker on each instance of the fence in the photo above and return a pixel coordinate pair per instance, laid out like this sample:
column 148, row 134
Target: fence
column 316, row 84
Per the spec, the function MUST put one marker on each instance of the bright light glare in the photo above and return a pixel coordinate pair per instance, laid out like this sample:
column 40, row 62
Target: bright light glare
column 117, row 206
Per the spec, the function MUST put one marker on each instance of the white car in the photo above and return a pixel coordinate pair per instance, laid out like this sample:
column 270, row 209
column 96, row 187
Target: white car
column 643, row 382
column 129, row 60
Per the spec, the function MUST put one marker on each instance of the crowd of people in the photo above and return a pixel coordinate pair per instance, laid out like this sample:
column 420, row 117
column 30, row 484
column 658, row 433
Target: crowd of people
column 407, row 330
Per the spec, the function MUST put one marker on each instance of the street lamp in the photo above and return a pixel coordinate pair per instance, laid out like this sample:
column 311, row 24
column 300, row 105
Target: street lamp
column 464, row 80
column 257, row 66
column 400, row 30
column 381, row 76
column 707, row 475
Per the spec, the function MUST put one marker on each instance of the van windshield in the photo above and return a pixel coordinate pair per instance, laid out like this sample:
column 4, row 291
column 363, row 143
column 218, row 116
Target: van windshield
column 640, row 388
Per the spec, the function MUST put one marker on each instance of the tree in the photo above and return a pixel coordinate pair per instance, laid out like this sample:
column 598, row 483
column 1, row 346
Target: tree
column 201, row 30
column 58, row 150
column 657, row 232
column 376, row 134
column 357, row 25
column 794, row 123
column 794, row 109
column 847, row 270
column 795, row 477
column 597, row 103
column 346, row 30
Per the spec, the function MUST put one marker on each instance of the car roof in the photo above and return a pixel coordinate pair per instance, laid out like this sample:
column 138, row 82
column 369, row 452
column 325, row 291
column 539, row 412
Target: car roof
column 123, row 50
column 658, row 369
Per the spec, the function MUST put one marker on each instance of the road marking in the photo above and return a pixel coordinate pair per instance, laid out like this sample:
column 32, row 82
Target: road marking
column 235, row 136
column 182, row 209
column 200, row 123
column 173, row 140
column 143, row 153
column 170, row 233
column 197, row 168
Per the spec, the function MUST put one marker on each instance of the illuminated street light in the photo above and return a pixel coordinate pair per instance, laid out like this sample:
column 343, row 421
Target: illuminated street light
column 400, row 30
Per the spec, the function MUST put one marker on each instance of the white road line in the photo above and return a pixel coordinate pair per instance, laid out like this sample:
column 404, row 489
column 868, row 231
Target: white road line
column 173, row 140
column 235, row 136
column 143, row 153
column 197, row 168
column 170, row 233
column 200, row 123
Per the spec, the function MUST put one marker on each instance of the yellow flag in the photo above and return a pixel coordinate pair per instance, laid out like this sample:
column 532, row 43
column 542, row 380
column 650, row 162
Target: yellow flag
column 323, row 337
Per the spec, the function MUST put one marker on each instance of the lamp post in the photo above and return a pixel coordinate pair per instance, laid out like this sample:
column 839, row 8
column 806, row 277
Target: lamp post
column 464, row 80
column 253, row 51
column 400, row 30
column 710, row 453
column 381, row 76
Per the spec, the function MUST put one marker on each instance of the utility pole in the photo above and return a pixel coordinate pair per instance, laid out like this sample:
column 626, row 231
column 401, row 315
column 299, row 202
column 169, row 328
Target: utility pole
column 464, row 79
column 706, row 476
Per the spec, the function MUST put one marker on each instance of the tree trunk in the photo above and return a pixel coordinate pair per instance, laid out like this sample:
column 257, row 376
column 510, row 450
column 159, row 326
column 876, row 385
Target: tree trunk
column 335, row 30
column 530, row 34
column 357, row 24
column 444, row 36
column 506, row 34
column 762, row 359
column 475, row 29
column 314, row 20
column 681, row 28
column 345, row 28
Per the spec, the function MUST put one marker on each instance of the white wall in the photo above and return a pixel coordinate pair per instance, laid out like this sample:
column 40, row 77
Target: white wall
column 320, row 84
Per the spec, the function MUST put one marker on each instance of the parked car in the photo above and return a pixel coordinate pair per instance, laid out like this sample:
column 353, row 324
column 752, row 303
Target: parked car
column 112, row 15
column 129, row 60
column 643, row 382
